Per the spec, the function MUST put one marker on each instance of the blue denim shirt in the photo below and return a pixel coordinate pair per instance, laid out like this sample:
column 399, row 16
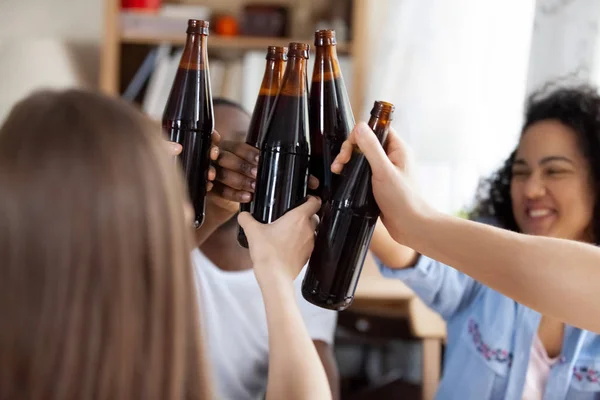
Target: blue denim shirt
column 490, row 338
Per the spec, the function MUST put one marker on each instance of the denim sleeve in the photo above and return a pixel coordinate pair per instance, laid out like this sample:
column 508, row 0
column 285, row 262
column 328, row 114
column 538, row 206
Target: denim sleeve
column 444, row 289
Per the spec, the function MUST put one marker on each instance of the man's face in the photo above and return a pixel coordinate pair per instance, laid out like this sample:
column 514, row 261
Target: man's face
column 231, row 123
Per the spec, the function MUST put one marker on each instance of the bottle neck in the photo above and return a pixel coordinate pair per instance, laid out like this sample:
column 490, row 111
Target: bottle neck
column 379, row 125
column 355, row 187
column 273, row 77
column 195, row 56
column 295, row 78
column 326, row 51
column 327, row 65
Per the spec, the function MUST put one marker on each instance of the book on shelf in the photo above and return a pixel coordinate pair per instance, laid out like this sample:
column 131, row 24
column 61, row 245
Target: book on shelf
column 159, row 83
column 171, row 20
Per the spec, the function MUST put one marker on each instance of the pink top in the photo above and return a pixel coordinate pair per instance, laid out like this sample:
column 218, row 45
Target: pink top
column 538, row 371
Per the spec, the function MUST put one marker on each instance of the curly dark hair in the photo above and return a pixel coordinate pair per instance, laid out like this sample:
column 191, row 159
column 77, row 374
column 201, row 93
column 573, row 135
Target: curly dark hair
column 577, row 107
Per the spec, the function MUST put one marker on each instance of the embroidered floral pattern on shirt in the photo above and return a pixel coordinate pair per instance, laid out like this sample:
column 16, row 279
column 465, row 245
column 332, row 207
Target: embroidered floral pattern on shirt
column 499, row 355
column 585, row 373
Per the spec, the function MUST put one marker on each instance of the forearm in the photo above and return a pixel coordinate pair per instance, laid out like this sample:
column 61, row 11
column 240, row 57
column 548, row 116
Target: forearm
column 556, row 277
column 389, row 252
column 327, row 356
column 295, row 370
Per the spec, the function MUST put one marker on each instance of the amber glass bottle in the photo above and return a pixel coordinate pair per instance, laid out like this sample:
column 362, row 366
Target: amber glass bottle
column 269, row 88
column 285, row 150
column 347, row 227
column 330, row 114
column 188, row 117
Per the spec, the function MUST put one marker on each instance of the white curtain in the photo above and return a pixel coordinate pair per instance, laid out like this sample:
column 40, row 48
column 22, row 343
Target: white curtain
column 566, row 42
column 457, row 72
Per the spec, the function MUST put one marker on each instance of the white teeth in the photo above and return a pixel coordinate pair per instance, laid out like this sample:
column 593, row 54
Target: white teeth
column 539, row 213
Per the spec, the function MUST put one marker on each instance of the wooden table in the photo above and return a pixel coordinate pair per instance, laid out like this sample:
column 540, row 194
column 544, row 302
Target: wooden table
column 376, row 295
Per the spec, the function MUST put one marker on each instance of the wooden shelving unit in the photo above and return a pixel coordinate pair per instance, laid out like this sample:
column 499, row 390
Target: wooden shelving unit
column 220, row 42
column 115, row 37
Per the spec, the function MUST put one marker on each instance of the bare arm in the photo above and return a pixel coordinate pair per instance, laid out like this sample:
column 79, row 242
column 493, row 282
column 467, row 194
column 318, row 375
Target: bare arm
column 556, row 277
column 325, row 352
column 391, row 253
column 295, row 371
column 279, row 251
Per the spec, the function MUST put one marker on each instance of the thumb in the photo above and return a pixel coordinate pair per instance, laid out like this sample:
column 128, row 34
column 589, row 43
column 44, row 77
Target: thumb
column 174, row 148
column 309, row 207
column 369, row 144
column 248, row 223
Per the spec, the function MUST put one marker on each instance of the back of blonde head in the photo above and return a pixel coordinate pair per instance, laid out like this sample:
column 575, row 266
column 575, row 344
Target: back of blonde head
column 96, row 291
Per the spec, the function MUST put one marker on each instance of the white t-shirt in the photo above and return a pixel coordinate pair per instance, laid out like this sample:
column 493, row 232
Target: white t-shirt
column 235, row 327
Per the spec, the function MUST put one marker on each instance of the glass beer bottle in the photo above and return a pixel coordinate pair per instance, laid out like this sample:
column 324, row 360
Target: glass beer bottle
column 285, row 151
column 188, row 118
column 276, row 60
column 330, row 114
column 346, row 229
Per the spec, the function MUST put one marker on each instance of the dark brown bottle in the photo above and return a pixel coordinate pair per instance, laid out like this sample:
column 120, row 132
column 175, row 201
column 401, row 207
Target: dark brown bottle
column 285, row 151
column 330, row 114
column 188, row 117
column 347, row 227
column 276, row 60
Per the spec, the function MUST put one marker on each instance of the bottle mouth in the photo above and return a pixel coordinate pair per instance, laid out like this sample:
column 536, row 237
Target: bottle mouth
column 197, row 26
column 325, row 37
column 296, row 49
column 383, row 108
column 277, row 53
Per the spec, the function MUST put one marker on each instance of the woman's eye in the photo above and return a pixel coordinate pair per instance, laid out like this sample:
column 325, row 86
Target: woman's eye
column 519, row 173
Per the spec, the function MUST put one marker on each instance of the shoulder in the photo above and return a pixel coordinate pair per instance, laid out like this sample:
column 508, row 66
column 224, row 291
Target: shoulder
column 591, row 344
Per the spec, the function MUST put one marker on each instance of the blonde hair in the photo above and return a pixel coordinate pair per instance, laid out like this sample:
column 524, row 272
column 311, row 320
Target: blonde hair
column 97, row 299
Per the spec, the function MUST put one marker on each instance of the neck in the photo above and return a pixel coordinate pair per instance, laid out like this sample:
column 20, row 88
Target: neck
column 551, row 330
column 551, row 333
column 224, row 251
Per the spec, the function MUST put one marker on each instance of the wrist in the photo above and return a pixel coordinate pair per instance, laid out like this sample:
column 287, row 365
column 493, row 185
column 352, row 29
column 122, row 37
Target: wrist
column 273, row 280
column 271, row 268
column 416, row 226
column 419, row 226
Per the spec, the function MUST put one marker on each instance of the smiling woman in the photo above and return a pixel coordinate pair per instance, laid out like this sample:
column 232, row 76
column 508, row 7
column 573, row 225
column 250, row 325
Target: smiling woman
column 497, row 347
column 551, row 189
column 549, row 185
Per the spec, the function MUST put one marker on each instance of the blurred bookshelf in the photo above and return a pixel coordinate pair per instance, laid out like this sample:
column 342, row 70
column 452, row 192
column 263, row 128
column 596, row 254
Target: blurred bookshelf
column 130, row 36
column 217, row 42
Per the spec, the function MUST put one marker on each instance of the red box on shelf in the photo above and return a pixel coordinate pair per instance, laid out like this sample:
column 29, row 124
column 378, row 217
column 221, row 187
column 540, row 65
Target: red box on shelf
column 145, row 5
